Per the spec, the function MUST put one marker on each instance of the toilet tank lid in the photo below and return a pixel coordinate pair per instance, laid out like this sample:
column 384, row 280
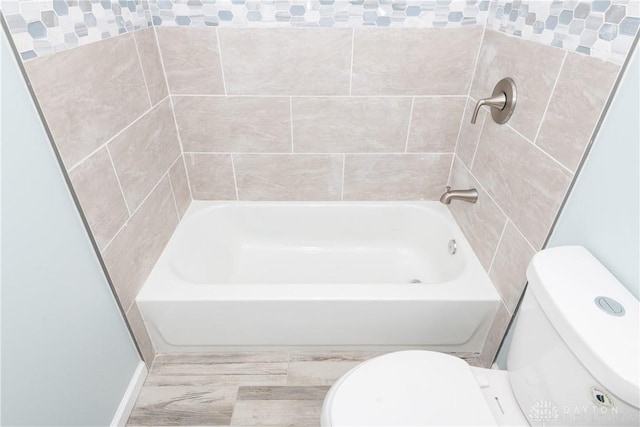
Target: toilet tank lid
column 566, row 282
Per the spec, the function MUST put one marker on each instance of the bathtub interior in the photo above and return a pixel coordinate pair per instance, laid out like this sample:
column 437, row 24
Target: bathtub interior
column 314, row 243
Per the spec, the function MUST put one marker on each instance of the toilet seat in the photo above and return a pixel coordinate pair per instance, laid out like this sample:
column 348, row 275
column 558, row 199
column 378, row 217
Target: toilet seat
column 408, row 388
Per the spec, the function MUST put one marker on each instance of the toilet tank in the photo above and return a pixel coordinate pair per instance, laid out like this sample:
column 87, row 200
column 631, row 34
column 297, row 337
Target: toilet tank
column 575, row 354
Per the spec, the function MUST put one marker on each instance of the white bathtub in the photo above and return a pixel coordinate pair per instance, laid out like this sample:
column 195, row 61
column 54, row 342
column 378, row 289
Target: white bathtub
column 331, row 275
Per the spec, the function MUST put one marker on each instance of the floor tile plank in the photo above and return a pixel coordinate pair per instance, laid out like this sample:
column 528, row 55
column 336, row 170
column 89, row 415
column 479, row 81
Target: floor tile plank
column 217, row 380
column 280, row 413
column 184, row 406
column 248, row 368
column 282, row 393
column 226, row 357
column 317, row 373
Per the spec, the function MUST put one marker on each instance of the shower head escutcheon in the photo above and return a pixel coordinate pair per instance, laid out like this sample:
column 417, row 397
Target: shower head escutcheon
column 502, row 102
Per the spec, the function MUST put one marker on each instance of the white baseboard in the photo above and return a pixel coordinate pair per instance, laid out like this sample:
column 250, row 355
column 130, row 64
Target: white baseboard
column 130, row 396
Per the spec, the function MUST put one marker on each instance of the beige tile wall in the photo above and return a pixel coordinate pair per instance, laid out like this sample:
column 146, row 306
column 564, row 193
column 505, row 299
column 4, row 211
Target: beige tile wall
column 318, row 114
column 524, row 168
column 112, row 120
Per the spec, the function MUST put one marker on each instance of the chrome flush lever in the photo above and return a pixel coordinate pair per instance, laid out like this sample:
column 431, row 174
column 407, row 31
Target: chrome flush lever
column 502, row 102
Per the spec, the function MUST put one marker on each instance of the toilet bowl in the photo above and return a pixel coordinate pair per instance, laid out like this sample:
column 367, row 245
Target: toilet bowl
column 574, row 361
column 419, row 388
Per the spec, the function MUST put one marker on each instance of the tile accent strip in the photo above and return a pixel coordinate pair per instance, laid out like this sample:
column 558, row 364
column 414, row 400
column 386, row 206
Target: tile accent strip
column 41, row 28
column 601, row 28
column 321, row 13
column 604, row 29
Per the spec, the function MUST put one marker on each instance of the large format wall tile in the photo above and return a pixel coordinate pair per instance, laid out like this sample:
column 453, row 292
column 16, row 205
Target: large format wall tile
column 191, row 60
column 583, row 88
column 211, row 176
column 482, row 222
column 533, row 67
column 102, row 201
column 143, row 153
column 350, row 124
column 395, row 176
column 412, row 61
column 496, row 333
column 435, row 123
column 151, row 64
column 286, row 61
column 526, row 183
column 234, row 124
column 180, row 186
column 134, row 251
column 87, row 96
column 288, row 176
column 141, row 334
column 509, row 270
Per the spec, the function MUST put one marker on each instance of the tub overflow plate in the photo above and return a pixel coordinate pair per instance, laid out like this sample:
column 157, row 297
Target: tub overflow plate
column 453, row 247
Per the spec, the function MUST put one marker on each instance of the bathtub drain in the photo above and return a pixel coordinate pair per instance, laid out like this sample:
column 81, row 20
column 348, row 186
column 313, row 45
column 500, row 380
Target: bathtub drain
column 416, row 281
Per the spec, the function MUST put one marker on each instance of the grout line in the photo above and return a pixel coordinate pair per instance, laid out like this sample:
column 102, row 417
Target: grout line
column 173, row 112
column 475, row 66
column 464, row 115
column 235, row 181
column 475, row 150
column 291, row 122
column 523, row 237
column 122, row 227
column 467, row 103
column 482, row 187
column 353, row 37
column 504, row 228
column 164, row 71
column 540, row 149
column 224, row 81
column 406, row 145
column 492, row 199
column 320, row 154
column 344, row 162
column 455, row 147
column 117, row 134
column 173, row 192
column 137, row 209
column 115, row 171
column 144, row 78
column 553, row 90
column 184, row 160
column 314, row 96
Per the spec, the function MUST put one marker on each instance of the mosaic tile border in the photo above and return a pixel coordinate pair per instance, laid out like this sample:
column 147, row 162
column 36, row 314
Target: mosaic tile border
column 601, row 28
column 43, row 27
column 321, row 13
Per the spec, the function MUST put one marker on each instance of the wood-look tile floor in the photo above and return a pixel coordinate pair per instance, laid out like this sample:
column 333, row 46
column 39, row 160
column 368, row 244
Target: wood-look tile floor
column 242, row 389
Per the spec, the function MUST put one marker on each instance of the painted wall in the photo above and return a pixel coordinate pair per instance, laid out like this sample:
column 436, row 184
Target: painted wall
column 67, row 356
column 602, row 212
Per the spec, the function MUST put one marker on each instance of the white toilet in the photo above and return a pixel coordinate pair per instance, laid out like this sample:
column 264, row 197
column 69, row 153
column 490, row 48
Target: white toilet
column 574, row 361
